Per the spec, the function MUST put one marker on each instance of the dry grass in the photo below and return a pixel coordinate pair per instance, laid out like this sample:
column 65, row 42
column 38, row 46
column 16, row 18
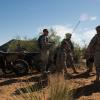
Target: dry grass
column 57, row 89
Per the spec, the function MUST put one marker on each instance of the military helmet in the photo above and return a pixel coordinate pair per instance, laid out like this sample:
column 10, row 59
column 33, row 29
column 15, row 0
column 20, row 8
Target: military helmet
column 68, row 35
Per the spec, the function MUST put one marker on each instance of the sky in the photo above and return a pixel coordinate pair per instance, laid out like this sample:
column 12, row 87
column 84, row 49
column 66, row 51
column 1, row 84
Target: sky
column 26, row 18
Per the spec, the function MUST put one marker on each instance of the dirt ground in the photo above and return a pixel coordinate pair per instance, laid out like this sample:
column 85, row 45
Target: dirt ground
column 86, row 90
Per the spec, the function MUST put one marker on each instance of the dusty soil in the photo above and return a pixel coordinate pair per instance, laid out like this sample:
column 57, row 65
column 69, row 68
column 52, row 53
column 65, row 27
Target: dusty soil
column 84, row 87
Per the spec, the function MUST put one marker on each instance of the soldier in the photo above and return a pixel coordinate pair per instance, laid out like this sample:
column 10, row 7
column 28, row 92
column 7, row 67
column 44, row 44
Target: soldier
column 44, row 45
column 61, row 56
column 94, row 49
column 70, row 55
column 43, row 39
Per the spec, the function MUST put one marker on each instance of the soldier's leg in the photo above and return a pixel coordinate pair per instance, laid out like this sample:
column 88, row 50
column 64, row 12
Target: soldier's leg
column 97, row 73
column 72, row 66
column 44, row 58
column 74, row 70
column 89, row 65
column 65, row 69
column 70, row 63
column 97, row 65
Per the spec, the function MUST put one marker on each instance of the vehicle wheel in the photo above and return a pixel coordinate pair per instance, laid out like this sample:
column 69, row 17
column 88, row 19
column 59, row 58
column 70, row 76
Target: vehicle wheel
column 5, row 69
column 20, row 67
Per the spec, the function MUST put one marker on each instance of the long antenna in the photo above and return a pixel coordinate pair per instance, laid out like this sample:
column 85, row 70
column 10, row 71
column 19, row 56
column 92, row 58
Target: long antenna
column 76, row 26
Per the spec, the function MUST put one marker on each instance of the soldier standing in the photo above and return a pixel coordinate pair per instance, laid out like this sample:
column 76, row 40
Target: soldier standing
column 70, row 55
column 44, row 45
column 94, row 48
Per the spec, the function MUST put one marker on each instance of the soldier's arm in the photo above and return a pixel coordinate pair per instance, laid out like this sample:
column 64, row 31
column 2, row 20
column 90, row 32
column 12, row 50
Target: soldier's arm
column 72, row 48
column 92, row 44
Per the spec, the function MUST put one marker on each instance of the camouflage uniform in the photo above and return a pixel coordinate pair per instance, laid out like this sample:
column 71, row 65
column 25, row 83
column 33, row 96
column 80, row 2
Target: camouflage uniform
column 70, row 60
column 61, row 57
column 70, row 55
column 94, row 49
column 70, row 52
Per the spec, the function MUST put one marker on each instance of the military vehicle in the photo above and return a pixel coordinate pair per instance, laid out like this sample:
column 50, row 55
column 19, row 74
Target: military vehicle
column 19, row 62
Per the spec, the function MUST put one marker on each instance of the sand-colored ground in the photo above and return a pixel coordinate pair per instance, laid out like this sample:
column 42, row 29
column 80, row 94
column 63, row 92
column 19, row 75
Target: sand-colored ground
column 85, row 89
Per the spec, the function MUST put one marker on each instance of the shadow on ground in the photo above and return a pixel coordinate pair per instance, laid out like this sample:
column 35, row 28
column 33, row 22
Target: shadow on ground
column 30, row 78
column 78, row 76
column 83, row 75
column 87, row 90
column 13, row 75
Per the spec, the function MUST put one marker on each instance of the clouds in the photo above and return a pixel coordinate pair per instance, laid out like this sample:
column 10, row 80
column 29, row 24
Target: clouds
column 93, row 18
column 87, row 17
column 61, row 30
column 87, row 35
